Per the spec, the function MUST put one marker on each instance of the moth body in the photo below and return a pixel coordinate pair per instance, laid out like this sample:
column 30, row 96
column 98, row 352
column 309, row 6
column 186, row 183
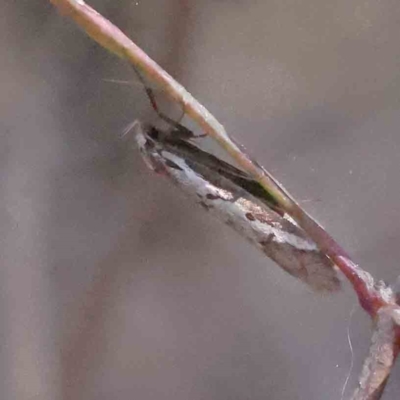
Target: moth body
column 216, row 187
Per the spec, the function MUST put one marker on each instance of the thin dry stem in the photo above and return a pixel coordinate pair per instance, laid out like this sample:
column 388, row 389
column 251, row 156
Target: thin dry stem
column 114, row 40
column 371, row 297
column 382, row 355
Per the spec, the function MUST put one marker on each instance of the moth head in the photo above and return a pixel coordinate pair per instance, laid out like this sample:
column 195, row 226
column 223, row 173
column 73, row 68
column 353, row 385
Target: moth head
column 148, row 141
column 146, row 136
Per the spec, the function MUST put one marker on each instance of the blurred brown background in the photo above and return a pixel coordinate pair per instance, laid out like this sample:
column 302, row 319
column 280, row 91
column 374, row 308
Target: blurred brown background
column 112, row 286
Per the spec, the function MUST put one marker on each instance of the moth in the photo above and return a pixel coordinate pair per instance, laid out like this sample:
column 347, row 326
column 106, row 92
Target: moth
column 234, row 197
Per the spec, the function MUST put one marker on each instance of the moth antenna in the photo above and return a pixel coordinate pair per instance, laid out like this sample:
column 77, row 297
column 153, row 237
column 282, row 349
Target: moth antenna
column 132, row 125
column 121, row 82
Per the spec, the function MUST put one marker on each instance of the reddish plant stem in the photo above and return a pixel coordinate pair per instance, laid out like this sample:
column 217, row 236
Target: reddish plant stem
column 114, row 40
column 110, row 37
column 369, row 297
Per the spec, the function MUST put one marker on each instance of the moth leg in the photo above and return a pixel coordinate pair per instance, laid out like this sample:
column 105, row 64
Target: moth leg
column 179, row 129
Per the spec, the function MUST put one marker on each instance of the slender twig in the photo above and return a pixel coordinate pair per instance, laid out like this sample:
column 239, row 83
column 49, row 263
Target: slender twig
column 372, row 297
column 114, row 40
column 382, row 355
